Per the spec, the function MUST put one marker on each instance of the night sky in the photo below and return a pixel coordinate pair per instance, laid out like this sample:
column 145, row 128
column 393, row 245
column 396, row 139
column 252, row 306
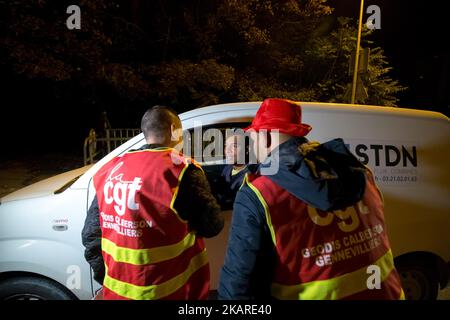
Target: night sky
column 414, row 35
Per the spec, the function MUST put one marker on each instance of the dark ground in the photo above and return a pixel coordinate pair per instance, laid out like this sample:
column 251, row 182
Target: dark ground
column 18, row 172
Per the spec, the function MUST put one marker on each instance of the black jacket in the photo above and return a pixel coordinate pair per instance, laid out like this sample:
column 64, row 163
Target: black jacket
column 227, row 185
column 194, row 203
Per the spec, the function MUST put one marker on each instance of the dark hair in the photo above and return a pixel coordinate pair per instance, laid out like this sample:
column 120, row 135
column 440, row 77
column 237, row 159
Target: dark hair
column 157, row 121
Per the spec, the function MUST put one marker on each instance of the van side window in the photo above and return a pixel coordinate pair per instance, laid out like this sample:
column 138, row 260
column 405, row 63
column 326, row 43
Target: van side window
column 201, row 144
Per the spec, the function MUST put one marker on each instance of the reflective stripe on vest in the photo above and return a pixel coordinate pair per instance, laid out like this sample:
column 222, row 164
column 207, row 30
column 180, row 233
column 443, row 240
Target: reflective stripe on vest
column 147, row 256
column 335, row 288
column 159, row 291
column 266, row 208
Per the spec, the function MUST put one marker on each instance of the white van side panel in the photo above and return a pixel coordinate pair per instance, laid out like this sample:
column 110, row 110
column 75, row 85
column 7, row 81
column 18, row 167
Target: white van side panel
column 43, row 236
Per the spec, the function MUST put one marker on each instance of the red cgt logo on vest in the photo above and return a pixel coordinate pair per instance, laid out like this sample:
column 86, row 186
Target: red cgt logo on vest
column 122, row 193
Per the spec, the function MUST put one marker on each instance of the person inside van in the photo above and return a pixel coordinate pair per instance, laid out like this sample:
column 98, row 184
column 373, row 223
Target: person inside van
column 232, row 176
column 236, row 154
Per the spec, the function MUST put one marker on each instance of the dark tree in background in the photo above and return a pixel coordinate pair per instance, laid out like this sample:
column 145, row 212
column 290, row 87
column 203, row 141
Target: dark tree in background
column 331, row 53
column 90, row 63
column 189, row 53
column 129, row 55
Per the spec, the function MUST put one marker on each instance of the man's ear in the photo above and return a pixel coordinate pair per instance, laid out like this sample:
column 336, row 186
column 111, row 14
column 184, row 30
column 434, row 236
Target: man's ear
column 174, row 132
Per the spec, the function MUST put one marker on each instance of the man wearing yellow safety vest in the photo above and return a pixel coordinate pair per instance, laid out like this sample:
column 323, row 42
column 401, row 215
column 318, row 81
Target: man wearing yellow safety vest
column 308, row 222
column 143, row 232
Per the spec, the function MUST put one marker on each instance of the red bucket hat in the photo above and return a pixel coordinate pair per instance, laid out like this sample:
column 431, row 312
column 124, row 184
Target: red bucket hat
column 280, row 114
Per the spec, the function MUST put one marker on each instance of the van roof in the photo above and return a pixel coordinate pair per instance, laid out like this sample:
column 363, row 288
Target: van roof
column 319, row 106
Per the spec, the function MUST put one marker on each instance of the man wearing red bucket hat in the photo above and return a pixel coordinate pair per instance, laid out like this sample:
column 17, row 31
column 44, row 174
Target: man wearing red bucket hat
column 313, row 228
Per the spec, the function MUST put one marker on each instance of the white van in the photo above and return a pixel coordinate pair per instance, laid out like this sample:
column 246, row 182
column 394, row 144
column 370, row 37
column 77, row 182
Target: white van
column 41, row 255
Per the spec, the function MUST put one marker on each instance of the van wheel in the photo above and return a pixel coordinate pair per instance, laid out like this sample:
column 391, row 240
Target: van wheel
column 32, row 288
column 419, row 280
